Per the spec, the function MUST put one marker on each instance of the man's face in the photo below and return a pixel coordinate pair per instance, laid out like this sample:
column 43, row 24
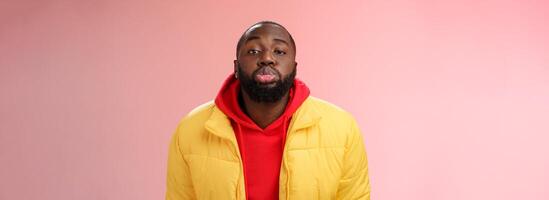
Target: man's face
column 266, row 63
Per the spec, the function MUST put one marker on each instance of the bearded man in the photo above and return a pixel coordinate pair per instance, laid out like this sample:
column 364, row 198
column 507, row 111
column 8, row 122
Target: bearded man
column 264, row 137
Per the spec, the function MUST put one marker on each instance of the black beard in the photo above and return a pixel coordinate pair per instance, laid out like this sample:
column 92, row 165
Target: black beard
column 261, row 93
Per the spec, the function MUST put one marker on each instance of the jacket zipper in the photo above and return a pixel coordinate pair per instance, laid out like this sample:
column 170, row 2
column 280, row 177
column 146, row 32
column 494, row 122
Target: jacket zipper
column 286, row 168
column 241, row 173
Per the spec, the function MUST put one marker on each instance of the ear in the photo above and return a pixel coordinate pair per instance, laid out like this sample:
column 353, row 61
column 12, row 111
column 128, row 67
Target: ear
column 235, row 63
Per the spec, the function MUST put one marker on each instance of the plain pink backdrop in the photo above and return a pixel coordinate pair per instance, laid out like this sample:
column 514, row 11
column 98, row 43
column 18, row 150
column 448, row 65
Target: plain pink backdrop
column 452, row 96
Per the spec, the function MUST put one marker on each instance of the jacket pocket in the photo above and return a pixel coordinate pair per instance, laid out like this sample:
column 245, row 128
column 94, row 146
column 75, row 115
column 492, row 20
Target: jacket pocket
column 314, row 172
column 213, row 178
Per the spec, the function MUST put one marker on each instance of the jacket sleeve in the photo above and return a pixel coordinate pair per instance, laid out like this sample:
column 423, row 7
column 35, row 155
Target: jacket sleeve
column 354, row 183
column 179, row 185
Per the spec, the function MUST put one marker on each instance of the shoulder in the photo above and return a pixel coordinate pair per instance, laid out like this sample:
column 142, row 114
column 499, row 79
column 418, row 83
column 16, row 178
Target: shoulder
column 196, row 118
column 201, row 111
column 336, row 125
column 327, row 110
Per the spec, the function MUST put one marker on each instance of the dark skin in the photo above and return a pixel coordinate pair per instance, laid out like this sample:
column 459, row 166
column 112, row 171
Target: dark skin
column 265, row 45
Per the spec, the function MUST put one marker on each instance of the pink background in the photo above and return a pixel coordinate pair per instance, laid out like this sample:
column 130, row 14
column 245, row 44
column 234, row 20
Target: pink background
column 452, row 96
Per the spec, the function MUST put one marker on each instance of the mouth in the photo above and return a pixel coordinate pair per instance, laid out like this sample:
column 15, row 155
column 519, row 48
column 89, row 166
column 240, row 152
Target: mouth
column 266, row 76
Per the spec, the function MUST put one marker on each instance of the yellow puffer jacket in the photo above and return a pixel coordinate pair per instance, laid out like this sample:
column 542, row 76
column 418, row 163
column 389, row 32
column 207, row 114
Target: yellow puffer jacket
column 324, row 156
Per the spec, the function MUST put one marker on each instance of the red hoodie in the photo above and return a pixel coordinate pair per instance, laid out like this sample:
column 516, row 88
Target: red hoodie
column 261, row 149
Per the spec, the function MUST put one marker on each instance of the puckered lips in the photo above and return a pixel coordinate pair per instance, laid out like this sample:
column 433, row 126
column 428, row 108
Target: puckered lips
column 266, row 75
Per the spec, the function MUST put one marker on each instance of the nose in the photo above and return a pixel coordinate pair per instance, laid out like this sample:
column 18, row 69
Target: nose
column 266, row 59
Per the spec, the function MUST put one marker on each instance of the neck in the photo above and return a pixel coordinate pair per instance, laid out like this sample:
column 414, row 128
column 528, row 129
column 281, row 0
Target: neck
column 263, row 113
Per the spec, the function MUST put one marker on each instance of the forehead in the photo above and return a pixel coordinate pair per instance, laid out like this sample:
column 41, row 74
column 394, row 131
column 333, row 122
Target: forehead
column 268, row 31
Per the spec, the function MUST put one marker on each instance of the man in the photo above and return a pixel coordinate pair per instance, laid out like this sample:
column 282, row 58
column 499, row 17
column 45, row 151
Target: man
column 264, row 137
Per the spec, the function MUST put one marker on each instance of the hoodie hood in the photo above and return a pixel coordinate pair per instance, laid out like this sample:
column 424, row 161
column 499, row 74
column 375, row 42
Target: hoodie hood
column 227, row 101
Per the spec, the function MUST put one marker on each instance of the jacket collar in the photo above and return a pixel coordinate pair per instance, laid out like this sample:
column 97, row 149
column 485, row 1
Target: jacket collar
column 220, row 125
column 304, row 117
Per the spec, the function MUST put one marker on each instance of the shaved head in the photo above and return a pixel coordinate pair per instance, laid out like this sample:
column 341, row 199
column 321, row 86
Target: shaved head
column 246, row 33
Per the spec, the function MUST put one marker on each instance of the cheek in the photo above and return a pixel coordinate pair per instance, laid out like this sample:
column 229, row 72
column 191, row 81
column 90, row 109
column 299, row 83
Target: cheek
column 287, row 67
column 247, row 67
column 244, row 60
column 248, row 62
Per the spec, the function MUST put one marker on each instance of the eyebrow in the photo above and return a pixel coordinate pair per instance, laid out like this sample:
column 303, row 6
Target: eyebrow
column 275, row 39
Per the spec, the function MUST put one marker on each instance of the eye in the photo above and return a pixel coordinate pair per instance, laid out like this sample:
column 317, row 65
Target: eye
column 253, row 51
column 279, row 52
